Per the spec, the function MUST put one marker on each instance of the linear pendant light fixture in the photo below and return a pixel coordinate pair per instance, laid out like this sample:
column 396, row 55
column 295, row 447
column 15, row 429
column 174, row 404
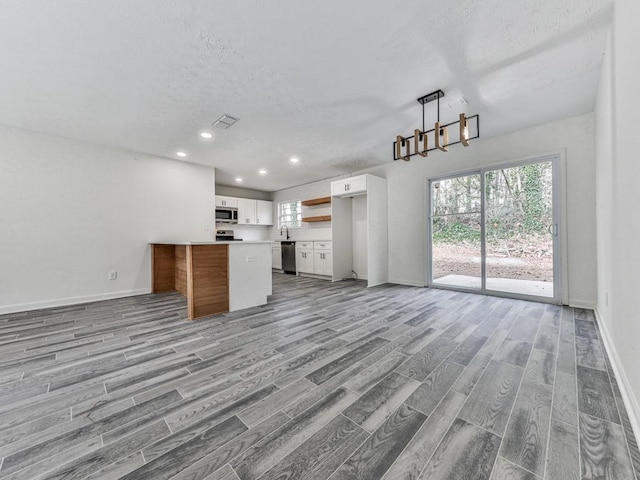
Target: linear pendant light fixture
column 419, row 144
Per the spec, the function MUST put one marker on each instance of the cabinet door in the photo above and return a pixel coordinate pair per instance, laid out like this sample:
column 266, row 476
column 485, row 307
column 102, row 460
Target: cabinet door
column 358, row 184
column 323, row 263
column 339, row 187
column 222, row 201
column 246, row 211
column 349, row 186
column 327, row 267
column 304, row 261
column 264, row 212
column 276, row 258
column 318, row 263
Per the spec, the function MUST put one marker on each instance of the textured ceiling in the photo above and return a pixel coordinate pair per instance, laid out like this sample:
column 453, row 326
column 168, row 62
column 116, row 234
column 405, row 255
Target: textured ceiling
column 331, row 82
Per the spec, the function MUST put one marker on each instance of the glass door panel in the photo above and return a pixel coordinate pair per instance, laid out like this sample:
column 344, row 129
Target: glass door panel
column 519, row 228
column 456, row 248
column 497, row 231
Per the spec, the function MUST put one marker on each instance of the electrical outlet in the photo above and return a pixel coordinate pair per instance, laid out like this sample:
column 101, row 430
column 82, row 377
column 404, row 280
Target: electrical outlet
column 113, row 275
column 251, row 258
column 206, row 228
column 606, row 299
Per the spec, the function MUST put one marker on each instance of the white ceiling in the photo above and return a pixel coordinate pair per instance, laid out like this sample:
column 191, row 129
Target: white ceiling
column 331, row 82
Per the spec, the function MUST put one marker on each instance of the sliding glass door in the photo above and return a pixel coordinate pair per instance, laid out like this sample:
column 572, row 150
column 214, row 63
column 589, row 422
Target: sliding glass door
column 456, row 221
column 495, row 231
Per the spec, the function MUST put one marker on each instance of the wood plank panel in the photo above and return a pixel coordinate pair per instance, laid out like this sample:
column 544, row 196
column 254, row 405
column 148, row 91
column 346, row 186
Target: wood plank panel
column 490, row 402
column 435, row 387
column 181, row 269
column 525, row 441
column 381, row 449
column 208, row 277
column 595, row 396
column 418, row 451
column 562, row 461
column 603, row 449
column 466, row 451
column 162, row 268
column 316, row 201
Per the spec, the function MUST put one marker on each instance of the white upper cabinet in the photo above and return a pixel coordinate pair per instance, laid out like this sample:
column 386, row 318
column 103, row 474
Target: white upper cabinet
column 222, row 201
column 349, row 187
column 250, row 212
column 264, row 212
column 246, row 211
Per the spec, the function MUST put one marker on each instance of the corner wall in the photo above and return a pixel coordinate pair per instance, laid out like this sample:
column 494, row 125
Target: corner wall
column 70, row 212
column 618, row 197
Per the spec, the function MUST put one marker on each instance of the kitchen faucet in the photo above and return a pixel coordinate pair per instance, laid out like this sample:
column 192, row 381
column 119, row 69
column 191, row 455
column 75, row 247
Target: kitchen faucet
column 284, row 226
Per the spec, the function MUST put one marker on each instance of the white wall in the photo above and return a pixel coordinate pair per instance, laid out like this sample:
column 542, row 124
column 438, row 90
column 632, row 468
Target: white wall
column 406, row 188
column 71, row 212
column 309, row 231
column 618, row 227
column 242, row 192
column 359, row 232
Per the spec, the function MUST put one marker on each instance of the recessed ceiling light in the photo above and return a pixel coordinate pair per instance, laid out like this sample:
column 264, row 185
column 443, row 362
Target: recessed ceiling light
column 206, row 135
column 181, row 154
column 294, row 160
column 262, row 171
column 238, row 179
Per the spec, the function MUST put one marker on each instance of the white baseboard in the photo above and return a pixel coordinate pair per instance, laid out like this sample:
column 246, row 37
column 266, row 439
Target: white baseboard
column 63, row 302
column 406, row 282
column 628, row 397
column 582, row 304
column 313, row 275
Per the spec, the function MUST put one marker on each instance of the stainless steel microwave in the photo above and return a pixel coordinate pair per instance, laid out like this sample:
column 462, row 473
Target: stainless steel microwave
column 226, row 215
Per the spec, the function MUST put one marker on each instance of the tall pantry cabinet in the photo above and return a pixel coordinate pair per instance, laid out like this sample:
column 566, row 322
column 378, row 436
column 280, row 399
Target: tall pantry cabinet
column 359, row 229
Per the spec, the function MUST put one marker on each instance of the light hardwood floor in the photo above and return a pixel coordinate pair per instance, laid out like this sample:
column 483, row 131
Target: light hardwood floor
column 326, row 381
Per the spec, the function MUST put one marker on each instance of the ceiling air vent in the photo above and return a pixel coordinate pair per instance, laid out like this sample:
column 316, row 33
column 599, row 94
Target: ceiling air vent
column 225, row 121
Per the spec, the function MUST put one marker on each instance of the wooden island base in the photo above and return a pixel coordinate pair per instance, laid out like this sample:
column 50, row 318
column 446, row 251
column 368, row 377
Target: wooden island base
column 199, row 272
column 215, row 277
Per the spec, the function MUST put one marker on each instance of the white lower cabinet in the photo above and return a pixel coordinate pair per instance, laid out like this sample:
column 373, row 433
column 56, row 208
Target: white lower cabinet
column 323, row 263
column 323, row 259
column 276, row 256
column 304, row 257
column 315, row 258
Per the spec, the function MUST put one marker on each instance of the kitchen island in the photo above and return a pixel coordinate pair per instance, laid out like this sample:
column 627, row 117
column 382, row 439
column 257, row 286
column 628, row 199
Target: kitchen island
column 215, row 277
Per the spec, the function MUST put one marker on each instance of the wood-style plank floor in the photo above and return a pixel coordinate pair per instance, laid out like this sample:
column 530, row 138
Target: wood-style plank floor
column 327, row 381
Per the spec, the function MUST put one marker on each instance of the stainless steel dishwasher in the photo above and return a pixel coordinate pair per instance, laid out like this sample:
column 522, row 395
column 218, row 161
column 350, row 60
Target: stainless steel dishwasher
column 289, row 257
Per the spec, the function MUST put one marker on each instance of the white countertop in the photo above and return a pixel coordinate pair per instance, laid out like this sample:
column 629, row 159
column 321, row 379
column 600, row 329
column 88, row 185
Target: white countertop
column 243, row 242
column 298, row 240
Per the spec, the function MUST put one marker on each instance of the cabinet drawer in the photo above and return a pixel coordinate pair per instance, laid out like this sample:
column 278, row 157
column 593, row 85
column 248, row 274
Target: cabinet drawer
column 304, row 245
column 322, row 245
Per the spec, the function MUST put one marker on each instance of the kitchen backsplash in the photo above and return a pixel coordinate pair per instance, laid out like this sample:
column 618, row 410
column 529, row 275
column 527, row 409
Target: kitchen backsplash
column 253, row 232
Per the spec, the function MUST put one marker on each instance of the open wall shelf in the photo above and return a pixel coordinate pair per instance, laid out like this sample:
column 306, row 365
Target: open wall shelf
column 318, row 218
column 316, row 201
